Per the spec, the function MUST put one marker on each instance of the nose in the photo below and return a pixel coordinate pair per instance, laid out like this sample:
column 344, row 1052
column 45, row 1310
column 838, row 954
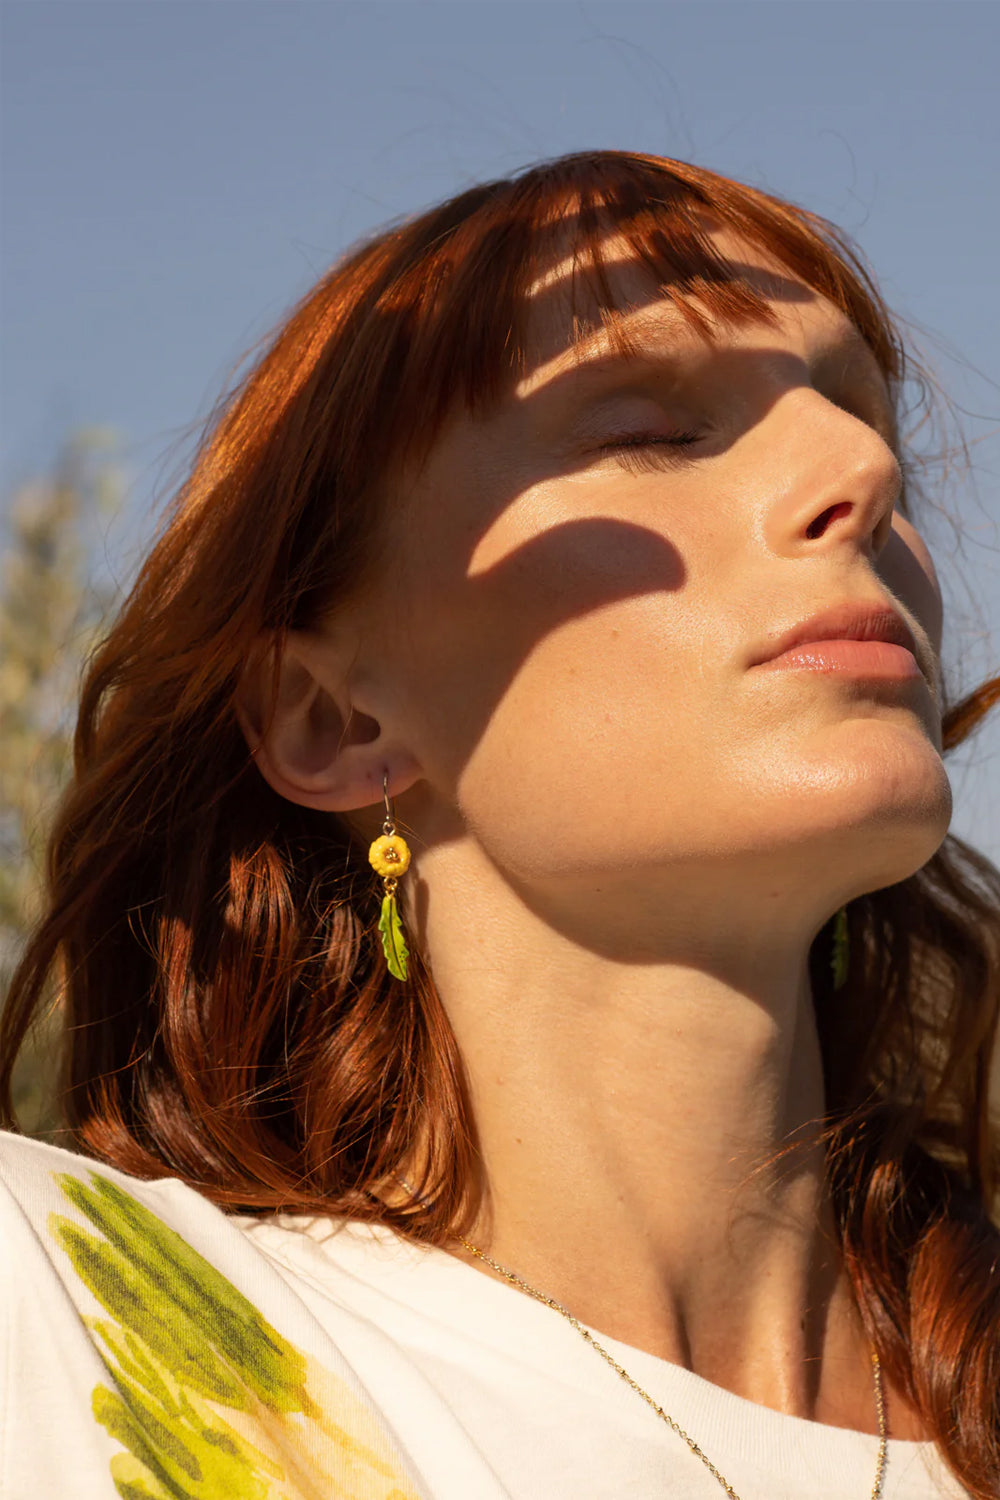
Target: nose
column 842, row 482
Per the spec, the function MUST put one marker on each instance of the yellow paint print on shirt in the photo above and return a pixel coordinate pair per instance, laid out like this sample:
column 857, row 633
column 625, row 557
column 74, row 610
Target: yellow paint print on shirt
column 207, row 1399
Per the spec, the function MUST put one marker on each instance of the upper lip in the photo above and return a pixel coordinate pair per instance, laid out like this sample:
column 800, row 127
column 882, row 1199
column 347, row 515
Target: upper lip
column 850, row 620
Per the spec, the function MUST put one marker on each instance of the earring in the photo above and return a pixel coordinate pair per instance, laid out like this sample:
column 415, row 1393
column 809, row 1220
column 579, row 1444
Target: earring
column 389, row 856
column 840, row 956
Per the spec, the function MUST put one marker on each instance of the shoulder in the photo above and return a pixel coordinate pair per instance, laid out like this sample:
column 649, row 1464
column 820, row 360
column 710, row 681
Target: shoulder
column 25, row 1162
column 35, row 1180
column 85, row 1239
column 151, row 1337
column 109, row 1237
column 39, row 1181
column 88, row 1243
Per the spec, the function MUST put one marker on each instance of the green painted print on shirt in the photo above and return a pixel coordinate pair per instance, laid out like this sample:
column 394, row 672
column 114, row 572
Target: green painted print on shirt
column 207, row 1399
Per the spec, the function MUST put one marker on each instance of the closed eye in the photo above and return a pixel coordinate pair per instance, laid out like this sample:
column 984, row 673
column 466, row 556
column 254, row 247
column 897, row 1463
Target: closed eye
column 650, row 450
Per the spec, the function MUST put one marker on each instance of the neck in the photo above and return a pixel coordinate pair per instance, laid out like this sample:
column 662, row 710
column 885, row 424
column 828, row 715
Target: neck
column 628, row 1116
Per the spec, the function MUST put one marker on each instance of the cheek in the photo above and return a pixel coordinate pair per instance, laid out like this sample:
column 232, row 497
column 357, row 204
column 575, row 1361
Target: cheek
column 554, row 687
column 473, row 635
column 599, row 744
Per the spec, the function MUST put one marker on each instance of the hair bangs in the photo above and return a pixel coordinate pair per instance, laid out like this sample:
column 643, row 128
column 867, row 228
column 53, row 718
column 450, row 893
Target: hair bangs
column 457, row 310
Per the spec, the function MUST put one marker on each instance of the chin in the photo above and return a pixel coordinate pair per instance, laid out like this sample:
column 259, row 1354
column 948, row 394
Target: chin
column 893, row 811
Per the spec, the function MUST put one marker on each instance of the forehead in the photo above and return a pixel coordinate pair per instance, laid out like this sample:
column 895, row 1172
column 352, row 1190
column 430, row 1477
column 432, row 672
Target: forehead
column 581, row 314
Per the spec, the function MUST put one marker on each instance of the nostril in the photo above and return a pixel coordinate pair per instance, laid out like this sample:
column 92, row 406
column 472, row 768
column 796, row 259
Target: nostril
column 822, row 521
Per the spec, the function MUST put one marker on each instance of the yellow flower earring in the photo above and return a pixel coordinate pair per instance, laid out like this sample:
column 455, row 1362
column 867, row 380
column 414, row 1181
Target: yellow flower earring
column 389, row 856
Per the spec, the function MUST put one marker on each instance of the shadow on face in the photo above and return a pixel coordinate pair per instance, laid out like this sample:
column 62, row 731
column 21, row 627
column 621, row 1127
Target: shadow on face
column 580, row 573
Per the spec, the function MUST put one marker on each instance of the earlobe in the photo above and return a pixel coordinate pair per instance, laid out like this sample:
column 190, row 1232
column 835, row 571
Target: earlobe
column 311, row 744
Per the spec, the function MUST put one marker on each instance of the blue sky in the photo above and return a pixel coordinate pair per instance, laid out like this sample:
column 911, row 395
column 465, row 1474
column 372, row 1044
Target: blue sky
column 177, row 172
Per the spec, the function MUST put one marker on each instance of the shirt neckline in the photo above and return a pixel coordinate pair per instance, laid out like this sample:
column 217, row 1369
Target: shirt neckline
column 458, row 1295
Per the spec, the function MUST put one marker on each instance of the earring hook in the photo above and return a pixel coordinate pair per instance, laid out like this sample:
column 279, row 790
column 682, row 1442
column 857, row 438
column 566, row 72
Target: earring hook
column 389, row 826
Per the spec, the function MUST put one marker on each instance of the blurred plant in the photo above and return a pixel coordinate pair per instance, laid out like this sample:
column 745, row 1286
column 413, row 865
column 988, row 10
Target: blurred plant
column 52, row 605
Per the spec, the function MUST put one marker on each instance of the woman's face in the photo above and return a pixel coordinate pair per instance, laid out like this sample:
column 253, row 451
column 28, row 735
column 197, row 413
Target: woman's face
column 574, row 621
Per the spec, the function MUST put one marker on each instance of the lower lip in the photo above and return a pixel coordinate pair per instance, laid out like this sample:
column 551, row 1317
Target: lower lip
column 859, row 658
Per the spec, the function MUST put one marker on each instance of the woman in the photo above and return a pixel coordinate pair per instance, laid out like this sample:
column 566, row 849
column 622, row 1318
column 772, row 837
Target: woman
column 505, row 903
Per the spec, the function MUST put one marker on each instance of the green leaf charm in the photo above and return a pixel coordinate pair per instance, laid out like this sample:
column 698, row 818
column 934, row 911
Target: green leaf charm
column 841, row 949
column 393, row 942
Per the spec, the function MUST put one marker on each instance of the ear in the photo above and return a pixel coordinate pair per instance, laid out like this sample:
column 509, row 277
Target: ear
column 310, row 737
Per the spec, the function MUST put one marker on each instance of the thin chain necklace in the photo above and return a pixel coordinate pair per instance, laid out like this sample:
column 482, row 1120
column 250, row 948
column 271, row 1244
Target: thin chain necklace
column 517, row 1281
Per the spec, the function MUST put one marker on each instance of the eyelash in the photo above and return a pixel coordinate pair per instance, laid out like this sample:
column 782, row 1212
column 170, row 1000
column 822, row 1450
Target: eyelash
column 632, row 449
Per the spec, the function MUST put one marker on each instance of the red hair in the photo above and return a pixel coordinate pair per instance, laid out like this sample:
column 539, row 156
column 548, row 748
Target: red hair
column 227, row 1016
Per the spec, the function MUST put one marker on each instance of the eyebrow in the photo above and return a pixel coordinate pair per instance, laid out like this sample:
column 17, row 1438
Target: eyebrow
column 648, row 338
column 651, row 339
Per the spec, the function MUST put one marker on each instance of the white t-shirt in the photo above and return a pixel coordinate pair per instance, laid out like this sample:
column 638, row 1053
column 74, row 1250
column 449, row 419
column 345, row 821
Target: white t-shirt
column 156, row 1348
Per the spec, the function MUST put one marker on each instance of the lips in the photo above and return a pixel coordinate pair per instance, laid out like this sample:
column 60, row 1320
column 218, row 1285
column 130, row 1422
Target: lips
column 847, row 621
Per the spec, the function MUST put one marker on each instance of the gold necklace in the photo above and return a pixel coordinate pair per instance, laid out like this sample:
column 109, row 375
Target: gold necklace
column 516, row 1280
